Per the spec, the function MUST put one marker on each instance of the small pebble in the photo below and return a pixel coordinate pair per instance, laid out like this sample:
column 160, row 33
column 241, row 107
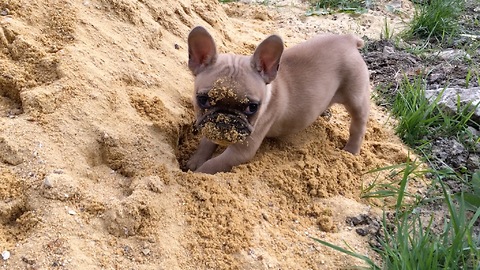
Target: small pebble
column 47, row 183
column 361, row 231
column 388, row 50
column 6, row 255
column 72, row 212
column 5, row 12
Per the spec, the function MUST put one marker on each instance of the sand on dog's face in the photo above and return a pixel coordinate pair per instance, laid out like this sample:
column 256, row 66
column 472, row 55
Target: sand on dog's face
column 225, row 129
column 225, row 90
column 221, row 127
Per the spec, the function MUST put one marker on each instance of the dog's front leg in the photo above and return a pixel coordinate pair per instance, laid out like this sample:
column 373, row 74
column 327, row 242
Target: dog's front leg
column 234, row 155
column 204, row 152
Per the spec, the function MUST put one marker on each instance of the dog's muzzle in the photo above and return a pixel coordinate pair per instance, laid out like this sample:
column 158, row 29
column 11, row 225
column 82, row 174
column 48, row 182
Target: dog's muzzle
column 225, row 127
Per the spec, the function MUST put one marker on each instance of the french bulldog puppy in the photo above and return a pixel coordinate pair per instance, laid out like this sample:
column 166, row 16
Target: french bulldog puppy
column 239, row 100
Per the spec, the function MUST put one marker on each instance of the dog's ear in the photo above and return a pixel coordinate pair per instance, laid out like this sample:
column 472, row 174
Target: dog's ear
column 266, row 58
column 202, row 51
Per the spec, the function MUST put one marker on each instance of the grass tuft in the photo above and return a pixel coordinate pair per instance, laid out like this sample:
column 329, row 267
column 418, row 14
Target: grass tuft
column 417, row 116
column 409, row 240
column 394, row 185
column 437, row 19
column 323, row 7
column 421, row 120
column 387, row 31
column 414, row 244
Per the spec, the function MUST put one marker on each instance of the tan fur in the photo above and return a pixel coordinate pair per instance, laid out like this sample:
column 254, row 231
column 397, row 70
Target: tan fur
column 312, row 76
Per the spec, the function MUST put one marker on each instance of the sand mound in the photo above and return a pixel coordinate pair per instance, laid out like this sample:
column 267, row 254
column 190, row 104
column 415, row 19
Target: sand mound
column 95, row 121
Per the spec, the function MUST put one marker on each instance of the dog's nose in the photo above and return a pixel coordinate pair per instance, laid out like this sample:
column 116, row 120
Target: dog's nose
column 227, row 128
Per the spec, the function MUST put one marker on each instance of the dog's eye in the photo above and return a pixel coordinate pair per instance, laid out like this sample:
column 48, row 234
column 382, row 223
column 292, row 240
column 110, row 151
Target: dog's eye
column 203, row 102
column 251, row 108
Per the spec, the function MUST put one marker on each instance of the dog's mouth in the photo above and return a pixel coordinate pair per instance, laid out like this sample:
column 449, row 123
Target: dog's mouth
column 225, row 128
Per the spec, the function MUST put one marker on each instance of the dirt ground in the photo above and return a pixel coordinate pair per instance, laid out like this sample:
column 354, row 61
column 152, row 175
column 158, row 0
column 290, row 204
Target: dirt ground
column 95, row 118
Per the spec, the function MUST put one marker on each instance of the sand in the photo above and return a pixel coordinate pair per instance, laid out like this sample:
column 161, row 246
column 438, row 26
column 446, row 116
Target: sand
column 95, row 124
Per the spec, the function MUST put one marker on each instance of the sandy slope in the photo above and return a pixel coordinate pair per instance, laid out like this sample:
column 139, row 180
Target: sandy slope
column 95, row 121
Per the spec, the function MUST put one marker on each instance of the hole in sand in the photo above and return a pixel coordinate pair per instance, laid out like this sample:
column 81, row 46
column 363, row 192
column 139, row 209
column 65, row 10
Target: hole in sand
column 187, row 144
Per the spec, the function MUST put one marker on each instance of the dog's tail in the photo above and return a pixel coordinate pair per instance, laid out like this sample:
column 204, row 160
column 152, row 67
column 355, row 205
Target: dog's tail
column 360, row 42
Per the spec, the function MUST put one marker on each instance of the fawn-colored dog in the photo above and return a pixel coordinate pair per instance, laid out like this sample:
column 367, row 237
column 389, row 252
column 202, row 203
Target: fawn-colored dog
column 239, row 100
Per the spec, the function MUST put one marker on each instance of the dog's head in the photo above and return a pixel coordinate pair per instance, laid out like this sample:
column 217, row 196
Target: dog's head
column 231, row 91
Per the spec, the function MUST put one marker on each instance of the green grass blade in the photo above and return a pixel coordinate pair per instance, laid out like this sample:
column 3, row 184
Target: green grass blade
column 348, row 252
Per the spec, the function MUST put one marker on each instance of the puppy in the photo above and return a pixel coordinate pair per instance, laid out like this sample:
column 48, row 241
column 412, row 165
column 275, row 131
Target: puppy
column 239, row 100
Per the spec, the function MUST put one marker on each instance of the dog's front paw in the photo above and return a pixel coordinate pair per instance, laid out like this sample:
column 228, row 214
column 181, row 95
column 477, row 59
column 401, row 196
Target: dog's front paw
column 195, row 162
column 213, row 166
column 203, row 153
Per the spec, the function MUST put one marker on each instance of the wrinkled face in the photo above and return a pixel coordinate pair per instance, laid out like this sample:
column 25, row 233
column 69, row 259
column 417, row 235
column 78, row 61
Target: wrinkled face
column 227, row 106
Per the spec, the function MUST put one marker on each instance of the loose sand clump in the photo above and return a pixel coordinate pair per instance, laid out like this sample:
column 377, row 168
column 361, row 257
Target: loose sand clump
column 94, row 124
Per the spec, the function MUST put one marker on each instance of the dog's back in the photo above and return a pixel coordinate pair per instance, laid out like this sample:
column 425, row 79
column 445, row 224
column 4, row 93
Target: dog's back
column 315, row 74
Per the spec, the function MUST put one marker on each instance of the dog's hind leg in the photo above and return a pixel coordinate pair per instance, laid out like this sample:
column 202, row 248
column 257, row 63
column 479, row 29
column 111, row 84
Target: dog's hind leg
column 359, row 110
